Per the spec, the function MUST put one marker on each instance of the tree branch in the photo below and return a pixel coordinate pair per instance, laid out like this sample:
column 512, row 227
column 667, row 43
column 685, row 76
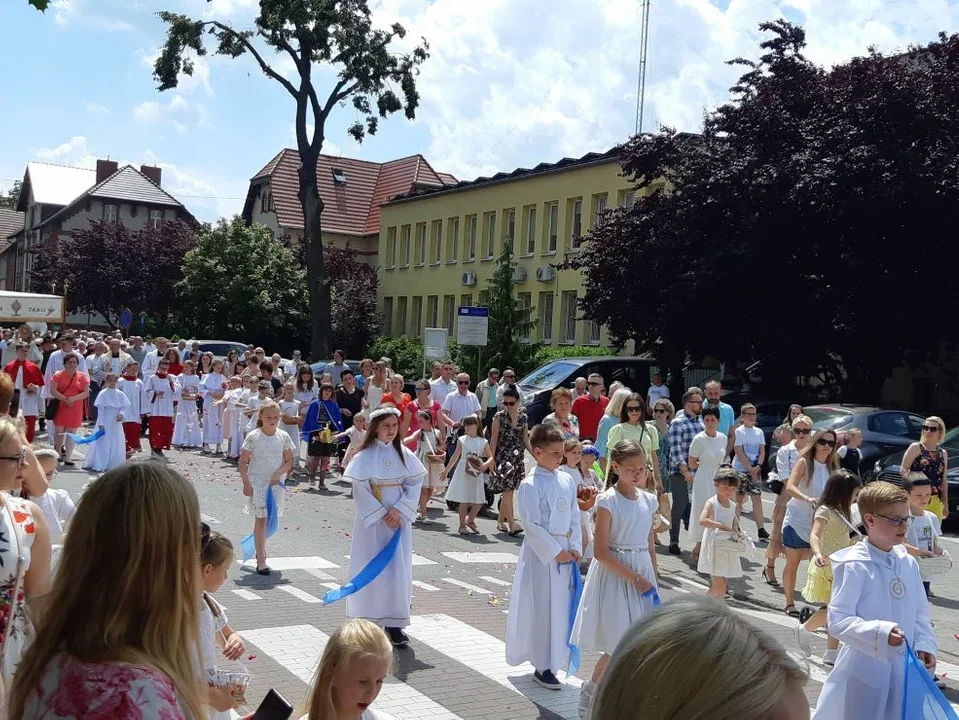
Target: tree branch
column 338, row 94
column 259, row 58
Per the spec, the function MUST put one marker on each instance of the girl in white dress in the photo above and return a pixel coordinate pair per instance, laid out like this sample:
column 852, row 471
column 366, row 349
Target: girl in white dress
column 706, row 453
column 472, row 459
column 573, row 451
column 228, row 401
column 291, row 420
column 212, row 388
column 356, row 660
column 187, row 432
column 621, row 586
column 112, row 407
column 356, row 435
column 719, row 516
column 263, row 391
column 217, row 638
column 430, row 451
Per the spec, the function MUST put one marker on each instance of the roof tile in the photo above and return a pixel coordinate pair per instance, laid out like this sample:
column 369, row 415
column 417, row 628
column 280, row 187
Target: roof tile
column 11, row 222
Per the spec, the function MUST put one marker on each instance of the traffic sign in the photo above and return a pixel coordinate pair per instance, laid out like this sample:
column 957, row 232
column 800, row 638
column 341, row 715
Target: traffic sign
column 126, row 319
column 473, row 326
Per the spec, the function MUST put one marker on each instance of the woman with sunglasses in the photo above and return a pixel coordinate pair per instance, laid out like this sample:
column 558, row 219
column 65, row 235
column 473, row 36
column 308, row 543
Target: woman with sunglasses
column 816, row 462
column 633, row 426
column 932, row 461
column 410, row 423
column 509, row 442
column 786, row 458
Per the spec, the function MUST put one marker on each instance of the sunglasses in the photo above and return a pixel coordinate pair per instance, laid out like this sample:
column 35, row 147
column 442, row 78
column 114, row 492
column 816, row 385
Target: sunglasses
column 419, row 389
column 634, row 408
column 509, row 404
column 930, row 428
column 593, row 384
column 802, row 431
column 462, row 382
column 660, row 411
column 823, row 442
column 896, row 520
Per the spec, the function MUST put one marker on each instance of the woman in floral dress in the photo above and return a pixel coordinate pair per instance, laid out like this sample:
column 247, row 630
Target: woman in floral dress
column 509, row 439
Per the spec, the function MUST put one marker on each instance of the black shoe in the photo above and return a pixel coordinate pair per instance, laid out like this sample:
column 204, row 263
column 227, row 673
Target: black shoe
column 763, row 535
column 547, row 680
column 804, row 614
column 398, row 637
column 674, row 549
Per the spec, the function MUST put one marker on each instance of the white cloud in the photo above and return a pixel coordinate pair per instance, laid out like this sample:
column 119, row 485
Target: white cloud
column 67, row 12
column 178, row 110
column 74, row 152
column 95, row 108
column 187, row 84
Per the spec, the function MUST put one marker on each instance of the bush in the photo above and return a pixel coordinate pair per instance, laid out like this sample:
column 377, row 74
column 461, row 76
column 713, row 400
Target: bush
column 550, row 352
column 405, row 352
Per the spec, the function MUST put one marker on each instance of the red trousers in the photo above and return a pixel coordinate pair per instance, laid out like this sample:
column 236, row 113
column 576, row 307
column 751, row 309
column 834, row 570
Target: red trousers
column 31, row 427
column 131, row 431
column 161, row 432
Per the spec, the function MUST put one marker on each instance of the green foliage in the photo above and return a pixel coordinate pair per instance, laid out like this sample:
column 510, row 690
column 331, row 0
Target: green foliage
column 798, row 206
column 10, row 200
column 40, row 5
column 405, row 352
column 550, row 352
column 240, row 283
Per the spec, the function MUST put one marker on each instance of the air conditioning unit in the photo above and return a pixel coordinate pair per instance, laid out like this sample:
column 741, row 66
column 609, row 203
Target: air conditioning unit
column 545, row 273
column 519, row 274
column 469, row 279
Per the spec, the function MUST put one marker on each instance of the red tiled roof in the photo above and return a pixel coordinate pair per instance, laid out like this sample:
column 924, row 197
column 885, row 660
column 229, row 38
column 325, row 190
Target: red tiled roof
column 353, row 207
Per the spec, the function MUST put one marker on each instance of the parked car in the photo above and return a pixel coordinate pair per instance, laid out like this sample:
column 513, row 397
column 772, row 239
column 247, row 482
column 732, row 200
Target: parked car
column 536, row 388
column 769, row 413
column 883, row 431
column 220, row 348
column 409, row 385
column 888, row 468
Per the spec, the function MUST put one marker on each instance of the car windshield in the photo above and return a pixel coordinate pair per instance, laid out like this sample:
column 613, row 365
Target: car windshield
column 548, row 376
column 828, row 417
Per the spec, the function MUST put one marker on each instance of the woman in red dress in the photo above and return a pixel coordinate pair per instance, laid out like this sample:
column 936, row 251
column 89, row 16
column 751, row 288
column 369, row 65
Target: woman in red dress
column 173, row 357
column 71, row 387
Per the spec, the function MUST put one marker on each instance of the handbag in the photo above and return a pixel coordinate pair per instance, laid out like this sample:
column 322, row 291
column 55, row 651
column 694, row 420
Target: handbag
column 661, row 522
column 929, row 567
column 730, row 541
column 12, row 616
column 474, row 465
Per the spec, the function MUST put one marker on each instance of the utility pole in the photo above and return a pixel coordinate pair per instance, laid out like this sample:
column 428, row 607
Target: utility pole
column 643, row 48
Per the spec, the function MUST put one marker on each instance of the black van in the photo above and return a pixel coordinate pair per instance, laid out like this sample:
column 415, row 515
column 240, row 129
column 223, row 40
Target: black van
column 634, row 372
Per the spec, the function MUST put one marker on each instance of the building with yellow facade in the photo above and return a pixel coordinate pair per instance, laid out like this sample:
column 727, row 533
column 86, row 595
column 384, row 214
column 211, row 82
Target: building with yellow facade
column 438, row 246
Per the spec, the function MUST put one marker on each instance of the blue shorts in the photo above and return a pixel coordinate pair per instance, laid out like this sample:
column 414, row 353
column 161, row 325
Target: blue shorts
column 792, row 540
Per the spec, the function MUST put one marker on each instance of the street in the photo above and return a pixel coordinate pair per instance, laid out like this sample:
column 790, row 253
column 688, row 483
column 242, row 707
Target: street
column 455, row 665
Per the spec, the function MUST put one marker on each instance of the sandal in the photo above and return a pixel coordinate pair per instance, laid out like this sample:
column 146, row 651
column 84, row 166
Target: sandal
column 464, row 530
column 501, row 527
column 791, row 611
column 769, row 575
column 472, row 528
column 516, row 531
column 265, row 570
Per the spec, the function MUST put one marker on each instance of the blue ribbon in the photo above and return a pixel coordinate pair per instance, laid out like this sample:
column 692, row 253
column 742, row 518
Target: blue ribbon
column 272, row 525
column 652, row 593
column 368, row 574
column 79, row 440
column 573, row 608
column 921, row 699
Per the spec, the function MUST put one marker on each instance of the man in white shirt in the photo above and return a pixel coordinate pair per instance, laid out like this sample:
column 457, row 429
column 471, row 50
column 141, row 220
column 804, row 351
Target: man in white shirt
column 55, row 363
column 657, row 391
column 152, row 359
column 444, row 385
column 292, row 365
column 457, row 406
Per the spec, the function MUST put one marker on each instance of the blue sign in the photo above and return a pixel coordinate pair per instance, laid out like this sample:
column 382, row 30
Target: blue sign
column 126, row 319
column 473, row 311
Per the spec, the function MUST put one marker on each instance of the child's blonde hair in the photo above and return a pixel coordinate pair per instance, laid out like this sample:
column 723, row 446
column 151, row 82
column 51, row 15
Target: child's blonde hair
column 696, row 639
column 356, row 640
column 137, row 602
column 268, row 404
column 621, row 452
column 853, row 432
column 877, row 496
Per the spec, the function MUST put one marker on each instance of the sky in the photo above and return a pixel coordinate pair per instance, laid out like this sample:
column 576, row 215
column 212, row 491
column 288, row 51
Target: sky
column 510, row 83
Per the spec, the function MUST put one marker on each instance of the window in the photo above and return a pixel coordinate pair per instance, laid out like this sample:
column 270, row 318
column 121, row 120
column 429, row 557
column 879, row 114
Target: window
column 416, row 322
column 592, row 332
column 400, row 316
column 568, row 317
column 339, row 176
column 436, row 242
column 420, row 244
column 432, row 304
column 546, row 317
column 530, row 231
column 390, row 248
column 264, row 202
column 889, row 423
column 489, row 230
column 575, row 223
column 388, row 316
column 510, row 227
column 405, row 246
column 627, row 198
column 453, row 240
column 110, row 213
column 469, row 250
column 552, row 212
column 449, row 311
column 525, row 301
column 466, row 300
column 599, row 208
column 156, row 219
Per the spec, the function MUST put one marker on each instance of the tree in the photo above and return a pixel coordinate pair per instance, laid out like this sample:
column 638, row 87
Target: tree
column 108, row 267
column 789, row 230
column 355, row 318
column 509, row 321
column 40, row 5
column 241, row 283
column 10, row 200
column 313, row 34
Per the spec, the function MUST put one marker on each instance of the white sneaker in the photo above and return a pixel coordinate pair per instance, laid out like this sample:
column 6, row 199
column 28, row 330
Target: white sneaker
column 803, row 640
column 829, row 657
column 585, row 698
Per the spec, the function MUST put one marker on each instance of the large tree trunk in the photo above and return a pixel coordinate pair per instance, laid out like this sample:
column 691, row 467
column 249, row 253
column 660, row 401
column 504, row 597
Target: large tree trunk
column 320, row 299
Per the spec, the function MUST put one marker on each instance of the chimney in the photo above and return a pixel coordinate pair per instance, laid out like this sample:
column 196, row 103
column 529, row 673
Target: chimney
column 105, row 168
column 152, row 172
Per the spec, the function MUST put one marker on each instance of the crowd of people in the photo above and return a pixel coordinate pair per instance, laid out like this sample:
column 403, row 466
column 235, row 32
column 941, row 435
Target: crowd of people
column 86, row 632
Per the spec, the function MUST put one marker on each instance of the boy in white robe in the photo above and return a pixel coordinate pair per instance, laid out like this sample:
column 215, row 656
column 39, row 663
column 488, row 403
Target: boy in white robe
column 212, row 388
column 878, row 603
column 160, row 391
column 132, row 386
column 112, row 408
column 537, row 628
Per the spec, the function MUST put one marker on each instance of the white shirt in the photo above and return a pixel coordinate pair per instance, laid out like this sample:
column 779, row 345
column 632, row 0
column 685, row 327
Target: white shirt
column 657, row 392
column 439, row 389
column 290, row 368
column 459, row 406
column 923, row 531
column 58, row 509
column 751, row 440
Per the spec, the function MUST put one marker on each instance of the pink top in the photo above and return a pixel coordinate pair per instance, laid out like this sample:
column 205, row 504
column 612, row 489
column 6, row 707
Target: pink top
column 412, row 409
column 70, row 688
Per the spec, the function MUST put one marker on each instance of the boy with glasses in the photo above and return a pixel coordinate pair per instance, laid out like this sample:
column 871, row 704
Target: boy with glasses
column 878, row 605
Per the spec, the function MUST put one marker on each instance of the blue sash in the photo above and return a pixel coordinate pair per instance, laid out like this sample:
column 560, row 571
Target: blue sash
column 573, row 608
column 652, row 593
column 272, row 525
column 368, row 574
column 79, row 440
column 921, row 699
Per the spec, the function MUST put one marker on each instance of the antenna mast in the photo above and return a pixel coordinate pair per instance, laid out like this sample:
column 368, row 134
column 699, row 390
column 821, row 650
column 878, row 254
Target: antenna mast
column 643, row 47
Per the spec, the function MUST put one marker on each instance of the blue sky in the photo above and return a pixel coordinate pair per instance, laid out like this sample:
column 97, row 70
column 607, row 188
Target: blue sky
column 510, row 82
